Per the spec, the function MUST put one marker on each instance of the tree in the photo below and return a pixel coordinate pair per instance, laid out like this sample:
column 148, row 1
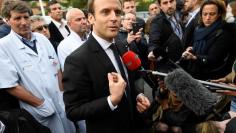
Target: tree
column 81, row 4
column 142, row 5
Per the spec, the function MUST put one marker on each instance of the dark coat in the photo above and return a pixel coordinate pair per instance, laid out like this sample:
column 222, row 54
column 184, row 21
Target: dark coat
column 55, row 35
column 218, row 58
column 7, row 101
column 86, row 91
column 189, row 30
column 163, row 41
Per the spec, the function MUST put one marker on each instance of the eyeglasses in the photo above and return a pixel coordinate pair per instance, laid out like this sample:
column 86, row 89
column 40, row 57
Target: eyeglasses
column 41, row 27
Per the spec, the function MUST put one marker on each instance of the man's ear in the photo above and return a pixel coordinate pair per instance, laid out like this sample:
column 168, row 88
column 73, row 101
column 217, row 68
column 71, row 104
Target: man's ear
column 7, row 20
column 91, row 18
column 68, row 23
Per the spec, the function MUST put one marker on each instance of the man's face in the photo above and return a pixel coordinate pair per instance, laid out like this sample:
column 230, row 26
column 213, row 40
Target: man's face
column 55, row 12
column 188, row 5
column 40, row 27
column 209, row 14
column 106, row 18
column 20, row 23
column 168, row 6
column 153, row 9
column 128, row 20
column 129, row 7
column 78, row 23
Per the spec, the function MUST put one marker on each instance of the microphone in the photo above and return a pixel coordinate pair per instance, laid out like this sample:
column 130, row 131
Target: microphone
column 209, row 85
column 153, row 73
column 191, row 92
column 131, row 60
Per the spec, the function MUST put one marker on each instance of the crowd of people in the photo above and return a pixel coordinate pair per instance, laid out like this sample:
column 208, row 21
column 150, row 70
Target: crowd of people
column 68, row 75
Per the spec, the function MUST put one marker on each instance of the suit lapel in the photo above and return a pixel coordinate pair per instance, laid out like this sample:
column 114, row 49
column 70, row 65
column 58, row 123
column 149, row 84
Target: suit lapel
column 55, row 32
column 67, row 28
column 107, row 65
column 100, row 54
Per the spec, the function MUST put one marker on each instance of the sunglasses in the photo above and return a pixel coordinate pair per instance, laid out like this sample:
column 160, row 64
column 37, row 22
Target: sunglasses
column 41, row 27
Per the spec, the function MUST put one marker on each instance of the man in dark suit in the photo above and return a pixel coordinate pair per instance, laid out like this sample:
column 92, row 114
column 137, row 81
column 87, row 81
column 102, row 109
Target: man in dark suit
column 57, row 28
column 166, row 34
column 190, row 20
column 94, row 88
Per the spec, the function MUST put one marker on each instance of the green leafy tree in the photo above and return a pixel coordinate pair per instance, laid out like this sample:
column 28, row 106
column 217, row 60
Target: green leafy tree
column 78, row 3
column 143, row 4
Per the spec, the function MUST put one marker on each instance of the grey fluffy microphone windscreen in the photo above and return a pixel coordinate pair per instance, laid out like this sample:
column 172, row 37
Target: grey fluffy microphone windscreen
column 192, row 93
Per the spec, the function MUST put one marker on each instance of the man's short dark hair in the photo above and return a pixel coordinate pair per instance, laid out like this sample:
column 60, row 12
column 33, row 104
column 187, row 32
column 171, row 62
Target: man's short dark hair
column 126, row 1
column 85, row 11
column 17, row 6
column 90, row 6
column 51, row 3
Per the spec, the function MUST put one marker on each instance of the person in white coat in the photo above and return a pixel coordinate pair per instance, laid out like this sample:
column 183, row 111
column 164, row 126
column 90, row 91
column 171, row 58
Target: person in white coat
column 30, row 70
column 78, row 26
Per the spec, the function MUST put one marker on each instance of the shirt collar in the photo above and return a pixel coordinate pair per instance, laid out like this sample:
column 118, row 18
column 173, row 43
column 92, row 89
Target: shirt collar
column 174, row 16
column 104, row 43
column 193, row 13
column 75, row 35
column 59, row 24
column 33, row 37
column 168, row 16
column 83, row 38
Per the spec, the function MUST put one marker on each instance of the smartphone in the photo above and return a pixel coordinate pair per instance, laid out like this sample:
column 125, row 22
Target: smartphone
column 135, row 28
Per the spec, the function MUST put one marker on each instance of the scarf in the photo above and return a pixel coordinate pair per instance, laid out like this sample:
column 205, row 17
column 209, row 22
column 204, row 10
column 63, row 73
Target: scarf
column 201, row 35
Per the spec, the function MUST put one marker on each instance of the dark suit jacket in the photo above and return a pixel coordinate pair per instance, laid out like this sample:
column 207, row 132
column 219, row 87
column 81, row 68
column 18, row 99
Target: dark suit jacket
column 164, row 42
column 55, row 34
column 189, row 30
column 86, row 91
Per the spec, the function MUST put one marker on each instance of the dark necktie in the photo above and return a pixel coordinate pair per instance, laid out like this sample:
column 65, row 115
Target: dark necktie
column 176, row 27
column 117, row 57
column 113, row 47
column 122, row 72
column 120, row 65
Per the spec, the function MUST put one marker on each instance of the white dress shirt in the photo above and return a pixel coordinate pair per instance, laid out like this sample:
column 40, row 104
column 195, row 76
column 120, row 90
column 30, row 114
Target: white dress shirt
column 61, row 27
column 67, row 46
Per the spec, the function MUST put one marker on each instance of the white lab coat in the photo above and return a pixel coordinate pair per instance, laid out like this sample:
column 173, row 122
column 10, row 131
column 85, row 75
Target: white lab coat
column 38, row 74
column 67, row 46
